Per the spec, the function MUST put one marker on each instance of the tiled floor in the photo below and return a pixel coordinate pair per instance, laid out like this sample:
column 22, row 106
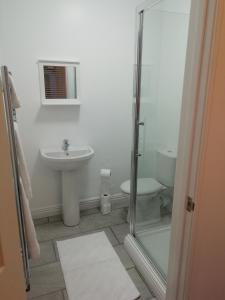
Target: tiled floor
column 47, row 281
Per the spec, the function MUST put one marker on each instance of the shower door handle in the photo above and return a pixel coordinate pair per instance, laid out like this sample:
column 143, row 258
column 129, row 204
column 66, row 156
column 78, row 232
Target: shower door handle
column 138, row 154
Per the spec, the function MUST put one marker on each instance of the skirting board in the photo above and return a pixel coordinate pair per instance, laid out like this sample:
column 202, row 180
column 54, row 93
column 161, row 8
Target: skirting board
column 152, row 278
column 117, row 200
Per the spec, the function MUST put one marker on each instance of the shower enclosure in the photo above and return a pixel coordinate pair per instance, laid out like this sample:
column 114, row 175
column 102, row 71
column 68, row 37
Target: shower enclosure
column 162, row 35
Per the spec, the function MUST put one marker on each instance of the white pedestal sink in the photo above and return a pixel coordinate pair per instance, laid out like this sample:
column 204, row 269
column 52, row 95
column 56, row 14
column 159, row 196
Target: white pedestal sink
column 69, row 162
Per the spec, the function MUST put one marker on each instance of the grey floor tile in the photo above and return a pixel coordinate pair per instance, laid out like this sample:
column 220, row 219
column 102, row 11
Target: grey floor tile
column 45, row 280
column 141, row 286
column 120, row 204
column 41, row 221
column 110, row 235
column 120, row 231
column 124, row 257
column 52, row 231
column 65, row 295
column 52, row 296
column 96, row 221
column 57, row 218
column 89, row 212
column 47, row 254
column 107, row 231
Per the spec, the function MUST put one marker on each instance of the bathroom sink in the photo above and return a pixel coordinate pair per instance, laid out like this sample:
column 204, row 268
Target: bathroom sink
column 69, row 160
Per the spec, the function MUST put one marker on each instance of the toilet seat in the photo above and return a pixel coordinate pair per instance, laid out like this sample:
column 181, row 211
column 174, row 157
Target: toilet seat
column 145, row 186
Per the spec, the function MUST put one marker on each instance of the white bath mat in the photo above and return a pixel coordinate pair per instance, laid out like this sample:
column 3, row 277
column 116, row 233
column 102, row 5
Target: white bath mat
column 93, row 271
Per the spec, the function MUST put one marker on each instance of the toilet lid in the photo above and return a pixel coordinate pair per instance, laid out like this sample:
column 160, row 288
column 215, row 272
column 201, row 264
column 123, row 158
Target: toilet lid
column 144, row 186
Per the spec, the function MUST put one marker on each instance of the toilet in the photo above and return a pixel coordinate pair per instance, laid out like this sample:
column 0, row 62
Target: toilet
column 149, row 189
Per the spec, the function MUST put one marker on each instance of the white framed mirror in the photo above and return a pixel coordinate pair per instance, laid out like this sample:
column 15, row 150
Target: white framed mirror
column 59, row 82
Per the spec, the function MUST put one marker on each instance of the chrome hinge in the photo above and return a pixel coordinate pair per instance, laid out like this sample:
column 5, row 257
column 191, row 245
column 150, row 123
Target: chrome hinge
column 190, row 204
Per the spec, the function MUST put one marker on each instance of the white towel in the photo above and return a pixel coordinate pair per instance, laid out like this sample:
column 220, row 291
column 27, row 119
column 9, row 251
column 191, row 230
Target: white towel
column 26, row 195
column 14, row 98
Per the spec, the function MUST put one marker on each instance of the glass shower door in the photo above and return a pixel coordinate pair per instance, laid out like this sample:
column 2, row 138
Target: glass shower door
column 161, row 53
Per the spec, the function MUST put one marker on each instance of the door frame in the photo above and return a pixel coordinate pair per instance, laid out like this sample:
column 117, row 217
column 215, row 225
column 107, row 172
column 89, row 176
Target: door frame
column 202, row 22
column 206, row 265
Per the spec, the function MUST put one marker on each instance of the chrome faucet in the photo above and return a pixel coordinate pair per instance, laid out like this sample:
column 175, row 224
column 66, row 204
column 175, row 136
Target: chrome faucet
column 65, row 145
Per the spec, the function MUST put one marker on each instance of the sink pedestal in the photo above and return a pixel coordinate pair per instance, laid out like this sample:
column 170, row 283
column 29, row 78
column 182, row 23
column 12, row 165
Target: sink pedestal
column 71, row 197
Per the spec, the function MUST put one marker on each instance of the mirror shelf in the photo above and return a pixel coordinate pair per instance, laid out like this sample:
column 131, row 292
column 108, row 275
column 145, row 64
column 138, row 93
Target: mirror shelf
column 59, row 82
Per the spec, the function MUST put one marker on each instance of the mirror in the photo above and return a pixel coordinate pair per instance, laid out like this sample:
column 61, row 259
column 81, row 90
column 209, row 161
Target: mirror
column 59, row 83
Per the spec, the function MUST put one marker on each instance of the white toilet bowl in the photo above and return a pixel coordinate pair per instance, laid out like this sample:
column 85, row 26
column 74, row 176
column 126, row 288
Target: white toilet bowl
column 148, row 208
column 148, row 189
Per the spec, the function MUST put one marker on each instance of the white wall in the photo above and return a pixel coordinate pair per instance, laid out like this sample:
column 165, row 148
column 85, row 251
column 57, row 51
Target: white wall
column 1, row 40
column 171, row 75
column 164, row 52
column 101, row 35
column 175, row 6
column 0, row 54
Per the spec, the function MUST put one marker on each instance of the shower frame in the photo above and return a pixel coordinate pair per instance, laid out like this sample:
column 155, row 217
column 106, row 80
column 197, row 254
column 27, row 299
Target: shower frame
column 202, row 19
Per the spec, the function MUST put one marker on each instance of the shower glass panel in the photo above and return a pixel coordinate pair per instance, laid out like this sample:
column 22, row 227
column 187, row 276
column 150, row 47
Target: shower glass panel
column 163, row 33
